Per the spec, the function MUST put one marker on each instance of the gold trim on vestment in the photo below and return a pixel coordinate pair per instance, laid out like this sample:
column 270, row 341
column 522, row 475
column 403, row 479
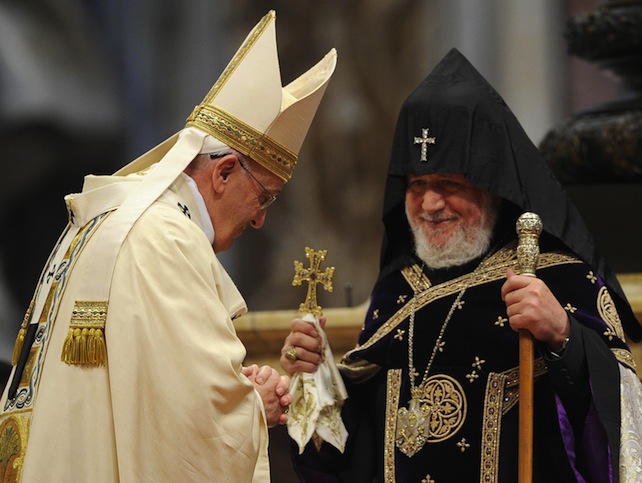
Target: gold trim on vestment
column 494, row 268
column 608, row 312
column 392, row 403
column 624, row 357
column 358, row 370
column 416, row 278
column 14, row 434
column 502, row 393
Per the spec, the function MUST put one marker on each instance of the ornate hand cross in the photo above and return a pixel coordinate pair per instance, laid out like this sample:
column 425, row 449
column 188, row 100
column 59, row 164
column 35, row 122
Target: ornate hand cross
column 424, row 140
column 313, row 277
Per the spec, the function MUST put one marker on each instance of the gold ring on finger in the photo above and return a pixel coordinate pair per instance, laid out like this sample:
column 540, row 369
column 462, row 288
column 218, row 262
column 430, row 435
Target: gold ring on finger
column 290, row 354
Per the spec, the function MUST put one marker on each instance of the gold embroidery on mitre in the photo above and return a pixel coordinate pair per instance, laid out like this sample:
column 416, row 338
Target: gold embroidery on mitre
column 85, row 341
column 14, row 433
column 608, row 312
column 234, row 132
column 247, row 140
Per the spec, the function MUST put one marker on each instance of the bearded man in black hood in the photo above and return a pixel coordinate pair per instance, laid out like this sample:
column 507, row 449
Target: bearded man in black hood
column 433, row 380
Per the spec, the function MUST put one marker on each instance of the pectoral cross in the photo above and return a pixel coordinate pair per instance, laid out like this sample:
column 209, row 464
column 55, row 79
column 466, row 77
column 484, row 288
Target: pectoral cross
column 424, row 140
column 313, row 276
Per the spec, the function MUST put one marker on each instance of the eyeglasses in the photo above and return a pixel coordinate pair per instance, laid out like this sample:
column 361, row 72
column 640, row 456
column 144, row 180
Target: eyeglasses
column 266, row 198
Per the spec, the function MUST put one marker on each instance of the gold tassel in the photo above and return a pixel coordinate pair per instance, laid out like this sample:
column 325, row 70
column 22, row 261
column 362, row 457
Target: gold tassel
column 18, row 347
column 22, row 333
column 85, row 341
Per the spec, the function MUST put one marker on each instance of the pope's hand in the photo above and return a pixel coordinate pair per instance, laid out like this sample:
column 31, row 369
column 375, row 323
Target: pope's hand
column 531, row 305
column 302, row 349
column 274, row 390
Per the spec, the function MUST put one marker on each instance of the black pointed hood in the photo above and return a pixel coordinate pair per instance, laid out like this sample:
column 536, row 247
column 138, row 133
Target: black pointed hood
column 474, row 132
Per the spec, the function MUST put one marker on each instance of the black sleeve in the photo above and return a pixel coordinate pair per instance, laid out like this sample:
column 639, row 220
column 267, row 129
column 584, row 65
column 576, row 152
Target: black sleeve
column 568, row 372
column 587, row 372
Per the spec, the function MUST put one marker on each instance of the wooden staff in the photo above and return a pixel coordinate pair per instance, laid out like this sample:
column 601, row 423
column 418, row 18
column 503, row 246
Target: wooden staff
column 529, row 228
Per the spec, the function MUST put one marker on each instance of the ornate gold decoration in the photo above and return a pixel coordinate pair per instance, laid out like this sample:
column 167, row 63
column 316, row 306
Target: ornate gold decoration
column 85, row 341
column 529, row 227
column 313, row 276
column 412, row 422
column 501, row 321
column 399, row 335
column 591, row 277
column 494, row 269
column 243, row 137
column 511, row 392
column 436, row 414
column 491, row 427
column 608, row 312
column 290, row 354
column 569, row 308
column 14, row 433
column 27, row 371
column 463, row 445
column 392, row 403
column 625, row 357
column 416, row 278
column 478, row 362
column 472, row 376
column 502, row 393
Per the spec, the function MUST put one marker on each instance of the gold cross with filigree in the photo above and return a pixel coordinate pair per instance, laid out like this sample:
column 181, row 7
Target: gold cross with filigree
column 313, row 276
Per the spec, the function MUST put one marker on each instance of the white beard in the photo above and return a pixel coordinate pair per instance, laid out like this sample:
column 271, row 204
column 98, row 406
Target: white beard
column 465, row 244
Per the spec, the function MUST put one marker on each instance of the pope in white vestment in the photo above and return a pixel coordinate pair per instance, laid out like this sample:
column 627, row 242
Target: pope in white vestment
column 128, row 367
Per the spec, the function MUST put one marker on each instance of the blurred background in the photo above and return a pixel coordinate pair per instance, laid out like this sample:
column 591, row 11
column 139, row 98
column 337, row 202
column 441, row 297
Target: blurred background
column 88, row 85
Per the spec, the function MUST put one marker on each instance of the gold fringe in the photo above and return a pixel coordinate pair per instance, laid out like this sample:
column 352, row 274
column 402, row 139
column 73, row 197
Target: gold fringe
column 85, row 341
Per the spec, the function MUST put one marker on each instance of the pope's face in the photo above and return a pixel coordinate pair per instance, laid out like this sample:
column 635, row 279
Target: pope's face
column 241, row 204
column 440, row 204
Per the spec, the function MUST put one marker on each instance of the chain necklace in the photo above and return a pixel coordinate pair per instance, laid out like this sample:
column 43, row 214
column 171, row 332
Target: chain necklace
column 437, row 405
column 411, row 331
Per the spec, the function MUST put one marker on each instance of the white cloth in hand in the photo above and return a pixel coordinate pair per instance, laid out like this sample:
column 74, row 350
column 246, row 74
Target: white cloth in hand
column 317, row 398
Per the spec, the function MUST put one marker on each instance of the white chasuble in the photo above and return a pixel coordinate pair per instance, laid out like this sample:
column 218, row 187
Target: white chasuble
column 169, row 403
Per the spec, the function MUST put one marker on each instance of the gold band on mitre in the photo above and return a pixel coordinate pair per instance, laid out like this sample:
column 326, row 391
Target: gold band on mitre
column 245, row 139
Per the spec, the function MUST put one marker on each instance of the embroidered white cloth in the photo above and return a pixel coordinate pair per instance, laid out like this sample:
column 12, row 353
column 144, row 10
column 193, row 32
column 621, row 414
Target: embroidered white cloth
column 631, row 427
column 317, row 399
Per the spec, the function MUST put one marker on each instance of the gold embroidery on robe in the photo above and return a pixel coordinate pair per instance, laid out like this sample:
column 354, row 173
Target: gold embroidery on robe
column 624, row 357
column 502, row 393
column 494, row 268
column 606, row 309
column 392, row 403
column 14, row 434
